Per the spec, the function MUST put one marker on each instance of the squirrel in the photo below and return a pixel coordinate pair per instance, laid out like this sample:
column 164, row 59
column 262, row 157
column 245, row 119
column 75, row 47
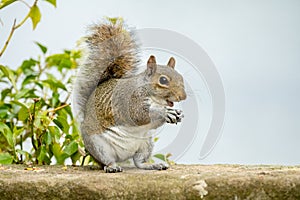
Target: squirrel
column 115, row 106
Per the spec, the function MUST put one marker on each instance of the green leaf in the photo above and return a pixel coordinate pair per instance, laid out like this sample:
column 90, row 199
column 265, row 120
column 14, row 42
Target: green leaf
column 61, row 61
column 43, row 116
column 75, row 131
column 23, row 114
column 5, row 130
column 114, row 20
column 42, row 47
column 55, row 99
column 47, row 138
column 58, row 123
column 5, row 3
column 29, row 79
column 56, row 150
column 160, row 156
column 62, row 113
column 27, row 67
column 4, row 109
column 54, row 84
column 75, row 157
column 37, row 83
column 5, row 93
column 25, row 93
column 9, row 74
column 55, row 133
column 62, row 123
column 59, row 155
column 68, row 110
column 17, row 132
column 42, row 155
column 35, row 15
column 61, row 159
column 38, row 122
column 53, row 2
column 75, row 54
column 6, row 158
column 19, row 103
column 71, row 148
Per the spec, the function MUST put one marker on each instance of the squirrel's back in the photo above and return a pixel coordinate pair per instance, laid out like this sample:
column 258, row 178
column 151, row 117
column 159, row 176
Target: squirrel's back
column 111, row 52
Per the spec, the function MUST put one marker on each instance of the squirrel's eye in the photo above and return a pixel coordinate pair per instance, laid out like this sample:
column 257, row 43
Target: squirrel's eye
column 163, row 80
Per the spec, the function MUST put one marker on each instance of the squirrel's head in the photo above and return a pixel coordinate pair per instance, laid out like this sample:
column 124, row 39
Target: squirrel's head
column 167, row 84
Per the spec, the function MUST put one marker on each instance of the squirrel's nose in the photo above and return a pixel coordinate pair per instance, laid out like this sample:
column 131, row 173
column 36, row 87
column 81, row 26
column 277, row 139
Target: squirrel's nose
column 182, row 96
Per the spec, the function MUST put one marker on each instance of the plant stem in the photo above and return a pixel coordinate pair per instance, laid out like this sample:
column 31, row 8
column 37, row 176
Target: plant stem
column 21, row 145
column 22, row 22
column 86, row 153
column 15, row 27
column 8, row 39
column 58, row 108
column 32, row 124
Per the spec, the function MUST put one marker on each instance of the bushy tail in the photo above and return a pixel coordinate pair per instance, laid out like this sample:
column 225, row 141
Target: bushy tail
column 111, row 53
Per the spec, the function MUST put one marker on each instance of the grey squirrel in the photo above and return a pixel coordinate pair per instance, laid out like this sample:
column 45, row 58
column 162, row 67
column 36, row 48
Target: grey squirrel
column 116, row 107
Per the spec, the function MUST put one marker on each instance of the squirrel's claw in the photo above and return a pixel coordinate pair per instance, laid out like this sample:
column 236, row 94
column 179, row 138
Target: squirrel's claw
column 160, row 166
column 163, row 166
column 174, row 116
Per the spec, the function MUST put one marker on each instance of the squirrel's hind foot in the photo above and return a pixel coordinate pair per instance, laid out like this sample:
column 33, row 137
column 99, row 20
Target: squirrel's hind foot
column 160, row 166
column 147, row 166
column 111, row 169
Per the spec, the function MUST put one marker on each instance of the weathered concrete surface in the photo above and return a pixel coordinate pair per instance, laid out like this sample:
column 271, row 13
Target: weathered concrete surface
column 179, row 182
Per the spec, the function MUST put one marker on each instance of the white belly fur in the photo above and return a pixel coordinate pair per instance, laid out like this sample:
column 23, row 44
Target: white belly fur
column 126, row 141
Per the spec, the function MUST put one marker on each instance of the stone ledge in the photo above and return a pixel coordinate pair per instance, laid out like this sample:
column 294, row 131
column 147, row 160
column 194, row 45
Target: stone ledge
column 179, row 182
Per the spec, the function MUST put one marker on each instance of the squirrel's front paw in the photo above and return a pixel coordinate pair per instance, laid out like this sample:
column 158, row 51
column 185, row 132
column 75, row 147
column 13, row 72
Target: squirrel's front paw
column 174, row 116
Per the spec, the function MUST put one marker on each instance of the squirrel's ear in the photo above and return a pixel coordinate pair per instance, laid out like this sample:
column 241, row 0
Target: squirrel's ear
column 151, row 65
column 171, row 62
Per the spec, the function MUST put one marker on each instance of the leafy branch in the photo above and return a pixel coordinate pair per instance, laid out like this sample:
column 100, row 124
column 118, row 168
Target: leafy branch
column 33, row 110
column 34, row 14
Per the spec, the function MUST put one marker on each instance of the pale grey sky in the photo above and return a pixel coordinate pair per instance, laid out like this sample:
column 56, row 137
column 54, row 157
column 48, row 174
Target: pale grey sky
column 254, row 44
